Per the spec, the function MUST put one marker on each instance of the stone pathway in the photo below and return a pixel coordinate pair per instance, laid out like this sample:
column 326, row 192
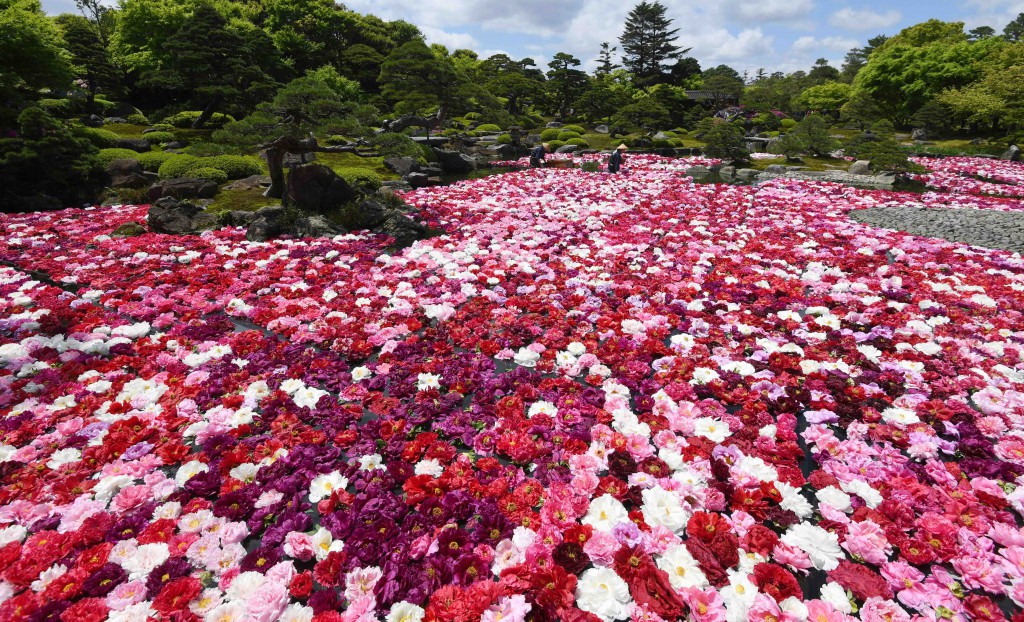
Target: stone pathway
column 987, row 228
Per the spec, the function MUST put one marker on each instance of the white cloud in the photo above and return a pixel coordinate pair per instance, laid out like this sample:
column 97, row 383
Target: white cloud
column 864, row 20
column 768, row 10
column 994, row 13
column 810, row 44
column 451, row 40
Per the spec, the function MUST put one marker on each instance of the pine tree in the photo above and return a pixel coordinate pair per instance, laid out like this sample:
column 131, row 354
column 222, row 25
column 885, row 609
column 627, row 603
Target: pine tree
column 89, row 56
column 564, row 82
column 604, row 60
column 647, row 42
column 1014, row 31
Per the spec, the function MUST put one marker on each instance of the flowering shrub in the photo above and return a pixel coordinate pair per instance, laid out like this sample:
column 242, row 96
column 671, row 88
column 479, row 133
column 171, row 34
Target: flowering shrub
column 598, row 397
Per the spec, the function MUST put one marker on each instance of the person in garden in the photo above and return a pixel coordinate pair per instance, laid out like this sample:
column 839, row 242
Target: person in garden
column 615, row 161
column 538, row 154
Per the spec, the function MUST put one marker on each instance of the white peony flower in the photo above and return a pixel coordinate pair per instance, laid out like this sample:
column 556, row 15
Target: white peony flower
column 425, row 382
column 430, row 466
column 900, row 416
column 605, row 512
column 542, row 408
column 296, row 613
column 324, row 544
column 834, row 594
column 189, row 470
column 576, row 348
column 323, row 485
column 227, row 612
column 821, row 546
column 863, row 490
column 526, row 357
column 738, row 596
column 682, row 569
column 711, row 428
column 361, row 373
column 663, row 507
column 405, row 612
column 704, row 375
column 835, row 498
column 307, row 397
column 603, row 593
column 62, row 457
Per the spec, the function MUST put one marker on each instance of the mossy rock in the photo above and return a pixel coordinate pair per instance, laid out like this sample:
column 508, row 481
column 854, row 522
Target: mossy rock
column 363, row 181
column 129, row 230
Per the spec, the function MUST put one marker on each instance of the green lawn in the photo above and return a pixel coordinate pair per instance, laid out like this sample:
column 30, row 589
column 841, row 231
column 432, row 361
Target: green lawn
column 241, row 200
column 340, row 161
column 128, row 130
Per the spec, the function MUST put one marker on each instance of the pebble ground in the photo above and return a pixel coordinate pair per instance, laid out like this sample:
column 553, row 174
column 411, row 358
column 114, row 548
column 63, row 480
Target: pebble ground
column 987, row 228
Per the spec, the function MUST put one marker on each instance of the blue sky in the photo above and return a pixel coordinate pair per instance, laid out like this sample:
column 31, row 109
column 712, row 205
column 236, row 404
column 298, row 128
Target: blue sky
column 781, row 35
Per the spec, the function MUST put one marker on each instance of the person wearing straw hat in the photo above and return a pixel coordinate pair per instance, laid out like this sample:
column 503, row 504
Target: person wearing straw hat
column 537, row 155
column 615, row 161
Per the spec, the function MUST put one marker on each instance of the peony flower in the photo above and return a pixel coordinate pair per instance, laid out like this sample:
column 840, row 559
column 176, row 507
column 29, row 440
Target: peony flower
column 820, row 545
column 322, row 486
column 601, row 592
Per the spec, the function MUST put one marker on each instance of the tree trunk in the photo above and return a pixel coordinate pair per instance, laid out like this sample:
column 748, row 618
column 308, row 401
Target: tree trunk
column 275, row 162
column 207, row 113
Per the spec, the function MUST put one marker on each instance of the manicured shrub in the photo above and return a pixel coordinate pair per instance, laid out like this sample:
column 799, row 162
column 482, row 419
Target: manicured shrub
column 106, row 156
column 550, row 134
column 59, row 108
column 178, row 166
column 574, row 128
column 787, row 124
column 206, row 172
column 565, row 136
column 579, row 142
column 472, row 116
column 555, row 144
column 505, row 139
column 362, row 180
column 427, row 153
column 162, row 127
column 137, row 118
column 234, row 166
column 662, row 143
column 155, row 138
column 488, row 127
column 186, row 118
column 151, row 161
column 395, row 144
column 100, row 137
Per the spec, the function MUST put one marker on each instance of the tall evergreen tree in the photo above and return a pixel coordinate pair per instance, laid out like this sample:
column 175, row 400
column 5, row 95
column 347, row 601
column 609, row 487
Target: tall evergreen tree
column 647, row 42
column 1014, row 31
column 89, row 56
column 565, row 83
column 605, row 65
column 417, row 79
column 210, row 61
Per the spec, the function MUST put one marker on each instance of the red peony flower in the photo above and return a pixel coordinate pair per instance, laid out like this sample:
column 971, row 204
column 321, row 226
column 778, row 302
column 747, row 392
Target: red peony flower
column 777, row 582
column 177, row 594
column 861, row 580
column 301, row 585
column 86, row 610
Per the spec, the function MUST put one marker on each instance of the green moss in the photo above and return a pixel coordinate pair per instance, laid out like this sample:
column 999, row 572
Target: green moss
column 102, row 138
column 235, row 166
column 186, row 118
column 126, row 130
column 177, row 166
column 574, row 128
column 152, row 160
column 342, row 161
column 363, row 180
column 155, row 138
column 488, row 127
column 579, row 142
column 106, row 156
column 241, row 201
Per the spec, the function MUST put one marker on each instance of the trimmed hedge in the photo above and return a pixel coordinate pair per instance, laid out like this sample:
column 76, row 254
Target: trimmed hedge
column 106, row 156
column 162, row 127
column 505, row 139
column 233, row 166
column 186, row 118
column 555, row 144
column 100, row 137
column 574, row 128
column 60, row 108
column 566, row 136
column 579, row 142
column 137, row 119
column 151, row 161
column 206, row 172
column 362, row 180
column 488, row 127
column 550, row 134
column 155, row 138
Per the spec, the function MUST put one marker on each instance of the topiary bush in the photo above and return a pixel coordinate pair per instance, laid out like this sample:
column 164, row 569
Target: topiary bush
column 488, row 127
column 473, row 116
column 364, row 181
column 178, row 165
column 574, row 128
column 206, row 172
column 60, row 108
column 99, row 137
column 186, row 118
column 137, row 118
column 579, row 142
column 396, row 144
column 565, row 136
column 555, row 144
column 505, row 139
column 550, row 134
column 161, row 127
column 151, row 161
column 787, row 124
column 106, row 156
column 234, row 166
column 155, row 138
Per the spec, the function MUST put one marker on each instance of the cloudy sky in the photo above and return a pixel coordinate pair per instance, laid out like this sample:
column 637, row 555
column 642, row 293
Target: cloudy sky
column 747, row 34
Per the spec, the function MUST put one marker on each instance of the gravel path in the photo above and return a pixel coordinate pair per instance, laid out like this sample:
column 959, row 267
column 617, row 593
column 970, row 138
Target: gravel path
column 988, row 228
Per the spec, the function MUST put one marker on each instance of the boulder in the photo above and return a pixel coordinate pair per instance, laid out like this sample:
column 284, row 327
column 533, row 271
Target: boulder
column 554, row 125
column 176, row 144
column 431, row 171
column 417, row 180
column 183, row 188
column 747, row 174
column 860, row 167
column 92, row 121
column 700, row 171
column 268, row 222
column 533, row 139
column 316, row 189
column 403, row 229
column 254, row 182
column 601, row 129
column 455, row 162
column 127, row 173
column 237, row 218
column 315, row 227
column 135, row 144
column 171, row 216
column 919, row 134
column 661, row 136
column 128, row 230
column 567, row 149
column 402, row 166
column 773, row 144
column 776, row 169
column 1012, row 154
column 504, row 152
column 115, row 120
column 291, row 160
column 727, row 173
column 978, row 141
